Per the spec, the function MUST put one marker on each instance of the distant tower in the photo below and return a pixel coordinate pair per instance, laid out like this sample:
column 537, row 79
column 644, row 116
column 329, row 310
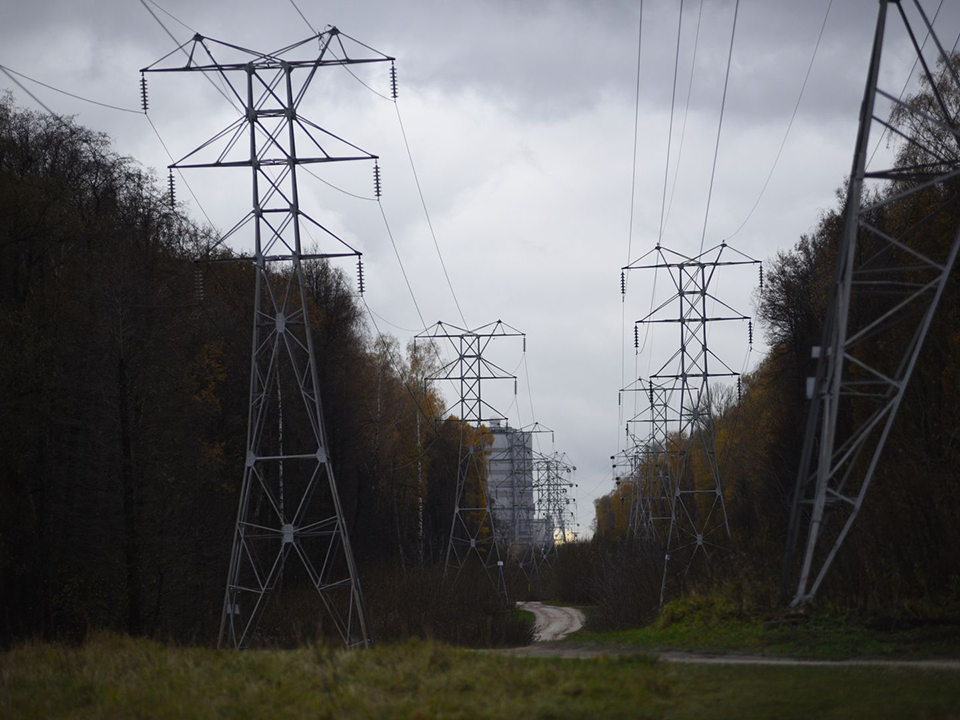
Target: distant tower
column 698, row 518
column 290, row 525
column 653, row 461
column 472, row 532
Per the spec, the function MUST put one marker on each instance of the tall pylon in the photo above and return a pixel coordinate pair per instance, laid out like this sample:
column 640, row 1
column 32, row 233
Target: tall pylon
column 892, row 267
column 698, row 518
column 289, row 501
column 472, row 527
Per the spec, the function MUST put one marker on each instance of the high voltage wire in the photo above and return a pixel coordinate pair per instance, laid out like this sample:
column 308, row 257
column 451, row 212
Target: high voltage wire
column 300, row 12
column 686, row 112
column 423, row 202
column 416, row 178
column 723, row 104
column 54, row 115
column 8, row 70
column 673, row 103
column 793, row 117
column 171, row 16
column 636, row 129
column 180, row 173
column 633, row 199
column 397, row 252
column 400, row 263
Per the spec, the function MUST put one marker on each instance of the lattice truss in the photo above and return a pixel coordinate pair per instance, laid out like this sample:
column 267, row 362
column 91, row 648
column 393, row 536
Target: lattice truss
column 553, row 474
column 899, row 244
column 683, row 403
column 536, row 545
column 290, row 529
column 473, row 534
column 644, row 470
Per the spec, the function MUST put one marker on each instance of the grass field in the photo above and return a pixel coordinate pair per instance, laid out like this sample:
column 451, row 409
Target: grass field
column 115, row 676
column 706, row 625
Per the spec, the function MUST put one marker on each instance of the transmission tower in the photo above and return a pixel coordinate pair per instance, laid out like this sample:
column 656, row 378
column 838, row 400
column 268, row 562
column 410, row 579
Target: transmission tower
column 653, row 460
column 289, row 501
column 887, row 285
column 535, row 549
column 698, row 519
column 554, row 478
column 472, row 528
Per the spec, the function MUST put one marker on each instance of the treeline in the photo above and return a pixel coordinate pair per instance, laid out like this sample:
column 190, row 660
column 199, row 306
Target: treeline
column 123, row 403
column 900, row 557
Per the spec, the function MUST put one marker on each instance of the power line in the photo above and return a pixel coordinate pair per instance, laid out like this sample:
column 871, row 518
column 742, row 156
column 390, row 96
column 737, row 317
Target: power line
column 300, row 12
column 386, row 224
column 337, row 188
column 723, row 103
column 673, row 103
column 171, row 16
column 35, row 98
column 793, row 117
column 423, row 202
column 400, row 263
column 180, row 173
column 416, row 178
column 355, row 77
column 8, row 70
column 183, row 50
column 636, row 129
column 686, row 112
column 633, row 200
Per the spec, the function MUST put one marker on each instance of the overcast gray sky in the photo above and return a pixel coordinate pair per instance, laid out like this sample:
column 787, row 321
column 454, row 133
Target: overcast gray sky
column 520, row 116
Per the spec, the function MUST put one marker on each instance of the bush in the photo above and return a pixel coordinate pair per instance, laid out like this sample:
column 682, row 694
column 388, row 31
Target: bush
column 419, row 602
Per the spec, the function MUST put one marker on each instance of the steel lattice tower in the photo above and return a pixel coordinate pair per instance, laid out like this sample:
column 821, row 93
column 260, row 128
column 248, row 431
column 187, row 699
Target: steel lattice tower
column 652, row 462
column 552, row 471
column 536, row 550
column 698, row 519
column 887, row 285
column 289, row 502
column 472, row 528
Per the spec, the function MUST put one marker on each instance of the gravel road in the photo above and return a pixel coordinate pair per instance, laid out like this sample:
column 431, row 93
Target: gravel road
column 553, row 623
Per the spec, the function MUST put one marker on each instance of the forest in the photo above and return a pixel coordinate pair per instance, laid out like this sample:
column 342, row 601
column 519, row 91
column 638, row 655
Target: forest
column 123, row 406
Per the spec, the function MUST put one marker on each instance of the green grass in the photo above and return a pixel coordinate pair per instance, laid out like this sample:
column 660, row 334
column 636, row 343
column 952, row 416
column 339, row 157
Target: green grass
column 114, row 676
column 708, row 625
column 526, row 617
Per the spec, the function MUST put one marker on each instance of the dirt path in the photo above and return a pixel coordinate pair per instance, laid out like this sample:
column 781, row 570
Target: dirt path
column 566, row 650
column 553, row 623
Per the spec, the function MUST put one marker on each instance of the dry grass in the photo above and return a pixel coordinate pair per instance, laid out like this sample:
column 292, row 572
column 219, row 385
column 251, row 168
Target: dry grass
column 115, row 676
